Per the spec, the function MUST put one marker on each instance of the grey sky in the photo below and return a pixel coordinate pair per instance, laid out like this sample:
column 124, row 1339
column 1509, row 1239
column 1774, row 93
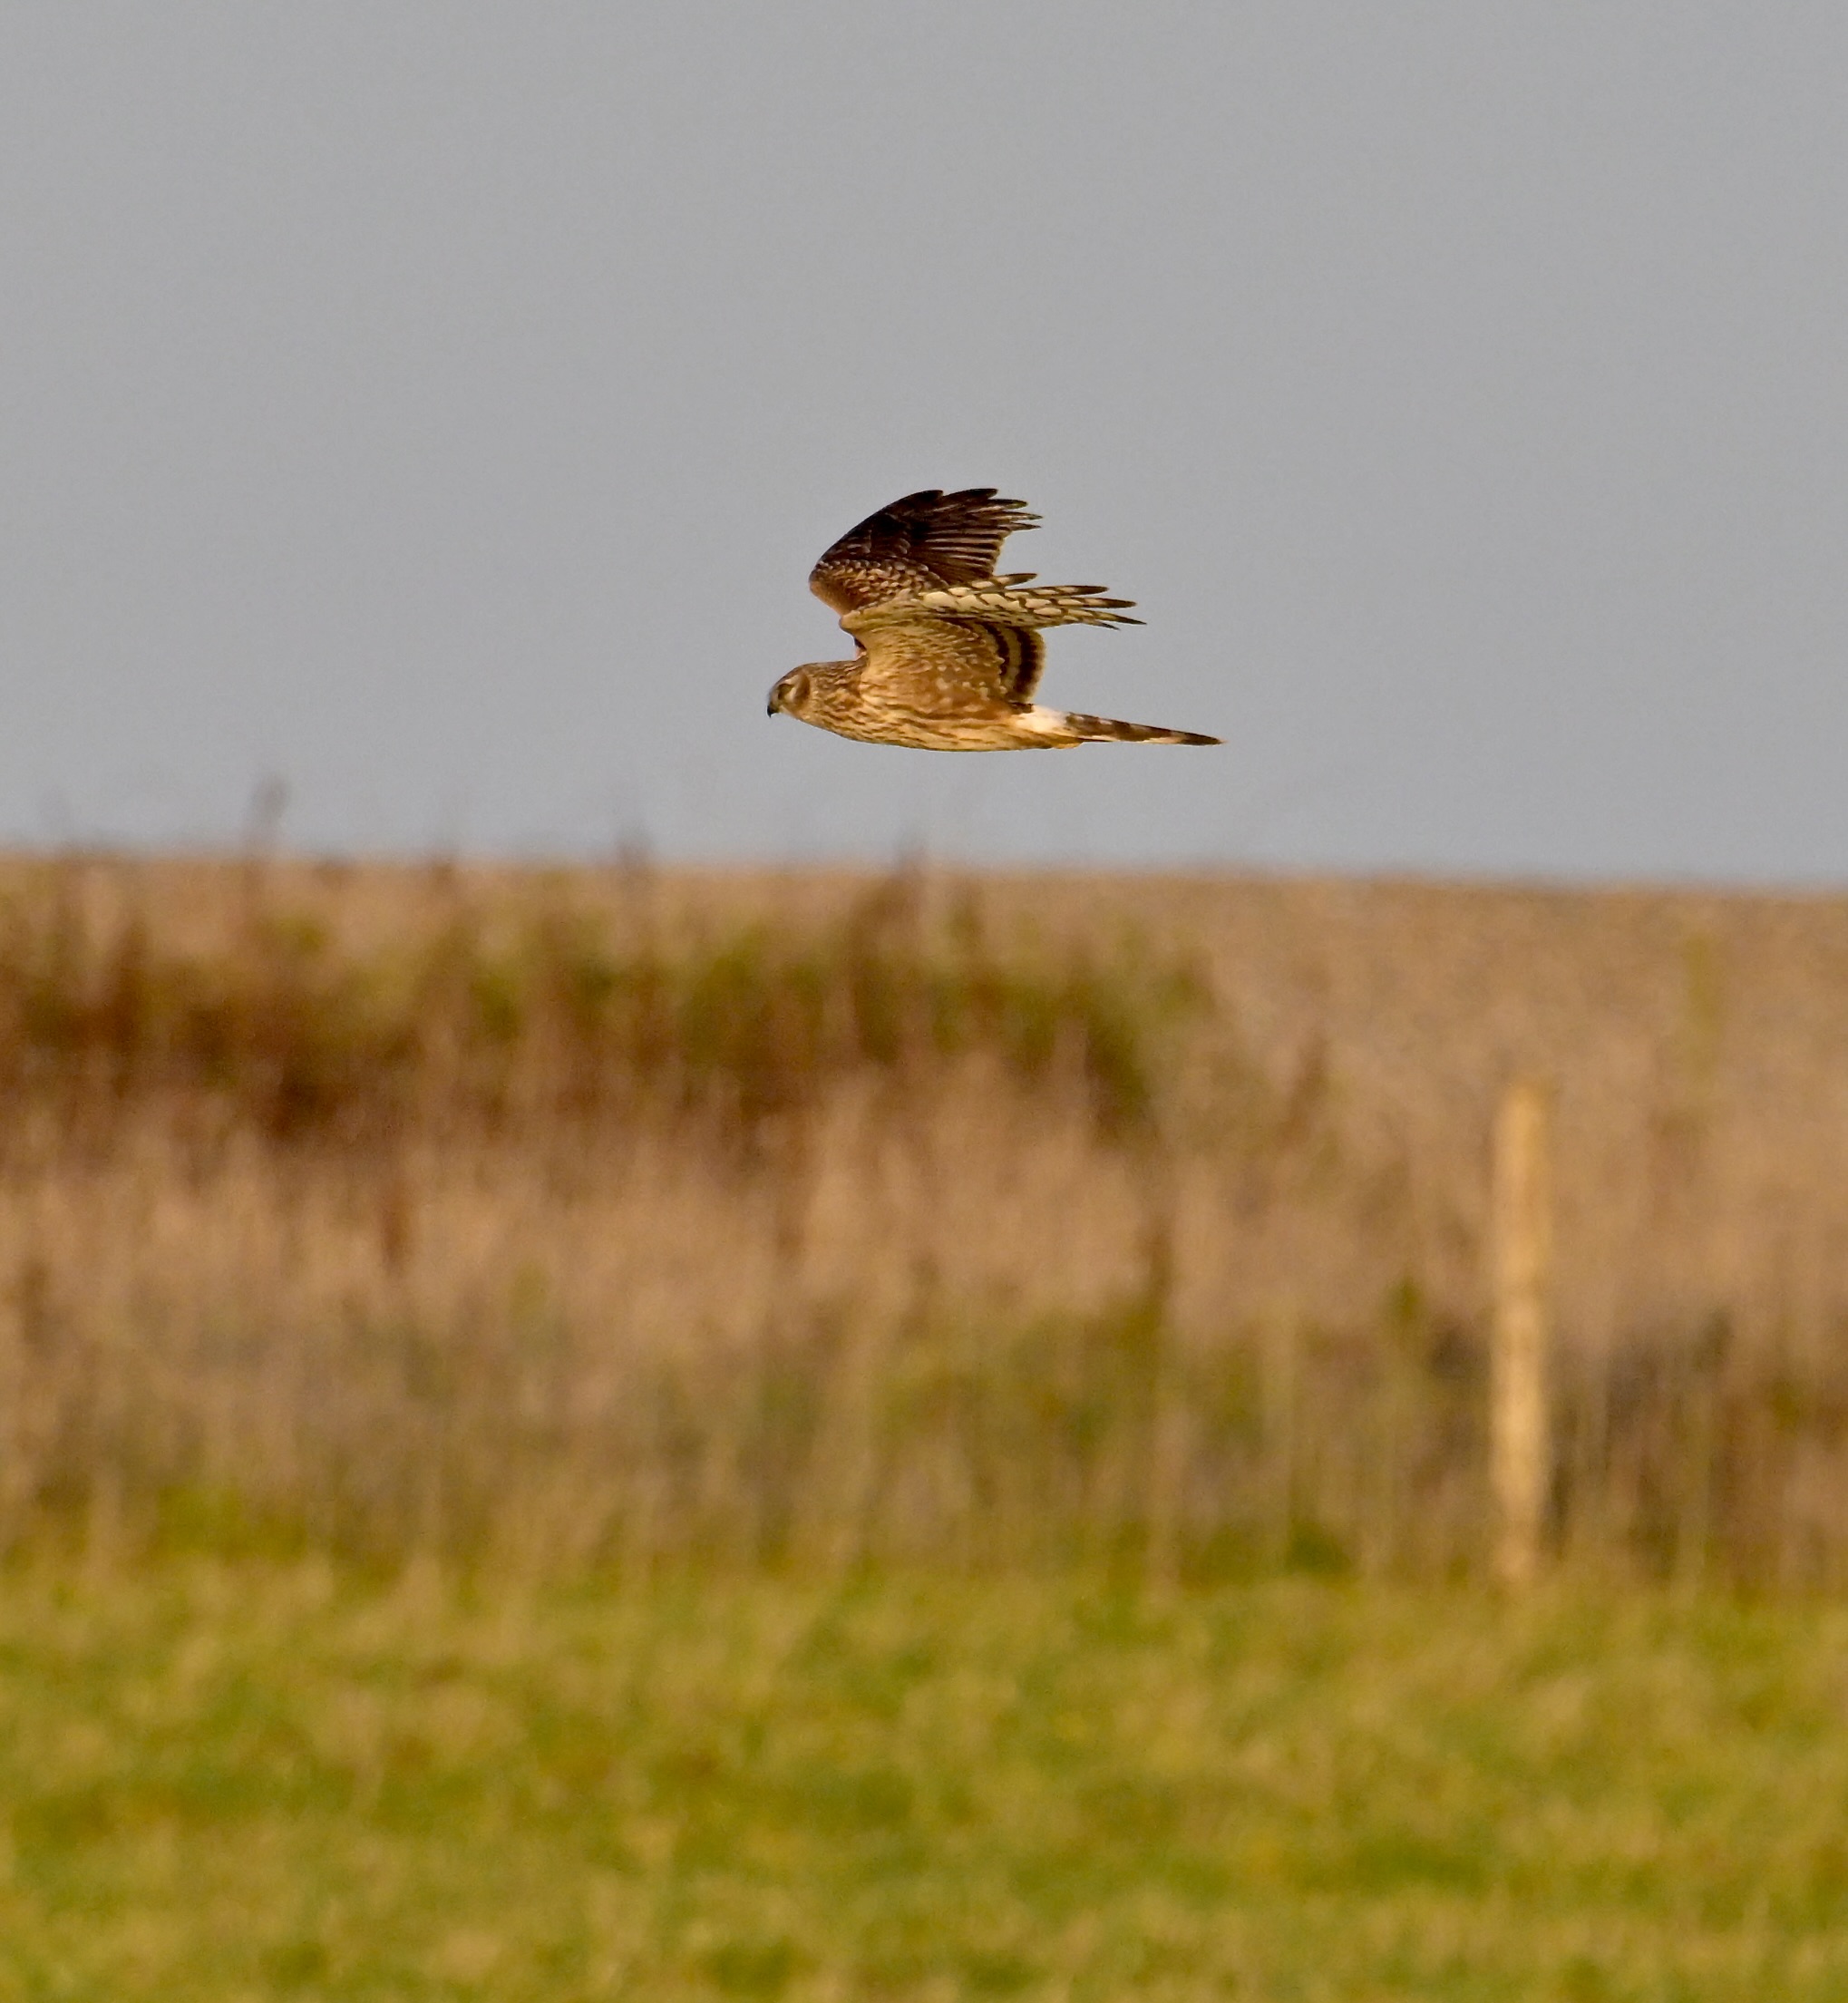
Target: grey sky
column 441, row 404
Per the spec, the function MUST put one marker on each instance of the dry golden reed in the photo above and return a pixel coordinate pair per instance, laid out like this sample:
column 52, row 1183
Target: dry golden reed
column 558, row 1219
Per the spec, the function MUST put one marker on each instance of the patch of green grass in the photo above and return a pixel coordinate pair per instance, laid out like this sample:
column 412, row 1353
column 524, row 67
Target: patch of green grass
column 247, row 1782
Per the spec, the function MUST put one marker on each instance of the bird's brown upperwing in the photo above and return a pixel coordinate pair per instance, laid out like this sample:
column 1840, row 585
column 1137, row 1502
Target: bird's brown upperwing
column 925, row 539
column 944, row 666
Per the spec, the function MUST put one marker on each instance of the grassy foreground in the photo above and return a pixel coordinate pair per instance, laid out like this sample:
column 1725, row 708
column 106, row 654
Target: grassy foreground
column 232, row 1782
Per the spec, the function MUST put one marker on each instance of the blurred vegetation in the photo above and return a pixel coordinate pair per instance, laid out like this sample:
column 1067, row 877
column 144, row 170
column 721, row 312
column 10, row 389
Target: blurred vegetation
column 226, row 1782
column 582, row 1435
column 564, row 1224
column 561, row 1020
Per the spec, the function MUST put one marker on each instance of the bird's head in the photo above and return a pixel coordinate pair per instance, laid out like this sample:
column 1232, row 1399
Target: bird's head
column 791, row 695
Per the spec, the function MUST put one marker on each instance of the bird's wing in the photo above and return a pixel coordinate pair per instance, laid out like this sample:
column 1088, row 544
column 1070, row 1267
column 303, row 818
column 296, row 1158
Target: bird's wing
column 991, row 628
column 1014, row 600
column 937, row 667
column 924, row 541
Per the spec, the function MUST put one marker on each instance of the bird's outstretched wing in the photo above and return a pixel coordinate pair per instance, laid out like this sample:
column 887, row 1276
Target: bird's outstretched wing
column 924, row 667
column 988, row 630
column 925, row 541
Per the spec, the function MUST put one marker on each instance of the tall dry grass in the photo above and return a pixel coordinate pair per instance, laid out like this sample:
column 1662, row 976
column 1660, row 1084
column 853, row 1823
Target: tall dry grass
column 622, row 1217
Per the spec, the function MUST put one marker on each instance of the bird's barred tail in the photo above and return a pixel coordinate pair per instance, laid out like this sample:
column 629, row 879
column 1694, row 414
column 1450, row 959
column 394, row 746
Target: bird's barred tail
column 1110, row 730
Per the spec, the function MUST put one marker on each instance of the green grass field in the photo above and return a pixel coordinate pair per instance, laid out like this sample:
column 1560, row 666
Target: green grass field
column 235, row 1782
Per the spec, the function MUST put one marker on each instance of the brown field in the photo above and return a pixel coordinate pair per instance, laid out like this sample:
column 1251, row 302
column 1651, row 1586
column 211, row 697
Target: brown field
column 571, row 1219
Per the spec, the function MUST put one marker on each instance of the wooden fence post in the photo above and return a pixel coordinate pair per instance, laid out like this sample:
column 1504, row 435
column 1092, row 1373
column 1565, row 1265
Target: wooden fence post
column 1519, row 1446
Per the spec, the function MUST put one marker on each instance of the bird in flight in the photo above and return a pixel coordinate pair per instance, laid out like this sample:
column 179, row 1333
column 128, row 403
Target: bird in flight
column 947, row 654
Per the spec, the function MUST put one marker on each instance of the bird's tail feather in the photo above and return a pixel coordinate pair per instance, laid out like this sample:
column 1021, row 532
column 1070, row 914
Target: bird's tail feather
column 1084, row 729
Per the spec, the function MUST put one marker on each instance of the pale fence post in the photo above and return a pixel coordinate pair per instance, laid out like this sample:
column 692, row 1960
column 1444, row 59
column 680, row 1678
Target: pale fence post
column 1519, row 1446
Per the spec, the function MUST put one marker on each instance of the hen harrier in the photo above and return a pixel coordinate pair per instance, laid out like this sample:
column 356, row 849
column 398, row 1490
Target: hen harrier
column 946, row 655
